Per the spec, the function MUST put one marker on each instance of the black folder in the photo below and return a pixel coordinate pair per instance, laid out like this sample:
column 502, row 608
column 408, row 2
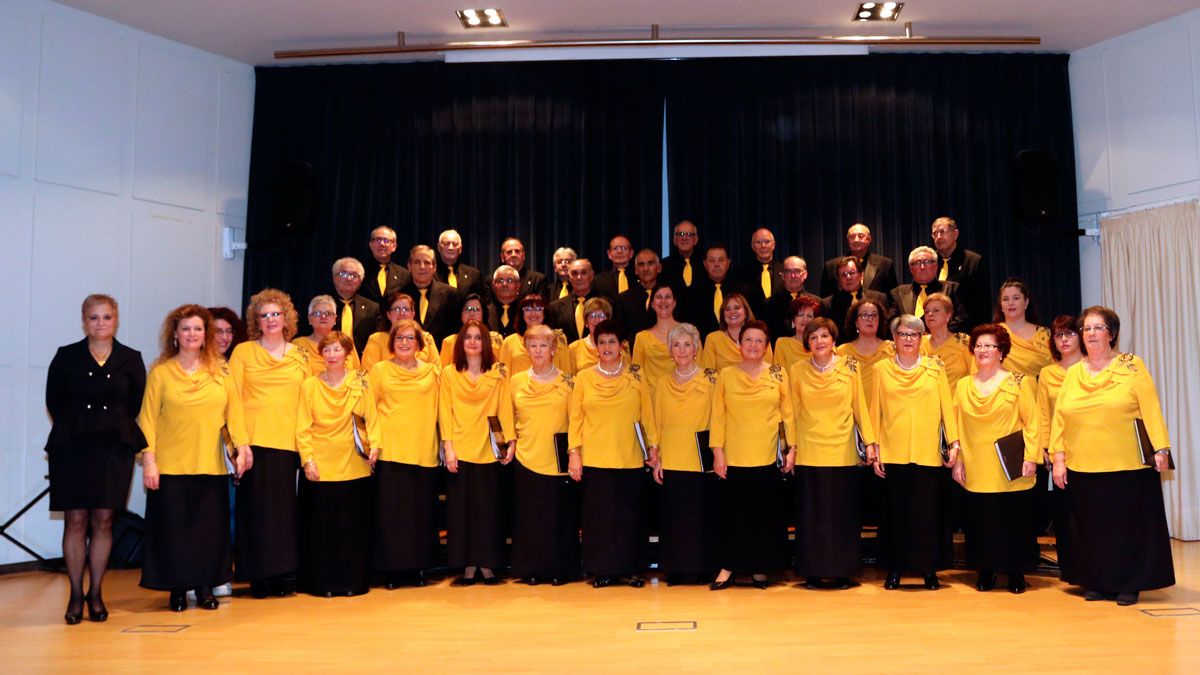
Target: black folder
column 362, row 444
column 561, row 451
column 496, row 435
column 781, row 445
column 859, row 446
column 1146, row 447
column 225, row 441
column 1011, row 451
column 641, row 439
column 943, row 446
column 704, row 450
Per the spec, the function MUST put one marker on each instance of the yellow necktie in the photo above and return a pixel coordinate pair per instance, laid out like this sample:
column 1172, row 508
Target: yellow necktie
column 766, row 281
column 945, row 271
column 579, row 316
column 649, row 292
column 565, row 290
column 921, row 302
column 451, row 277
column 504, row 317
column 718, row 298
column 348, row 318
column 687, row 272
column 622, row 282
column 382, row 279
column 794, row 295
column 424, row 302
column 854, row 296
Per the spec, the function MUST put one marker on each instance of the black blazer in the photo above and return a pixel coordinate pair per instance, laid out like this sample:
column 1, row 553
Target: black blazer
column 444, row 313
column 879, row 274
column 750, row 274
column 974, row 289
column 469, row 279
column 698, row 306
column 836, row 307
column 672, row 271
column 779, row 313
column 398, row 278
column 366, row 317
column 904, row 299
column 560, row 314
column 533, row 281
column 494, row 310
column 84, row 397
column 554, row 287
column 606, row 282
column 631, row 311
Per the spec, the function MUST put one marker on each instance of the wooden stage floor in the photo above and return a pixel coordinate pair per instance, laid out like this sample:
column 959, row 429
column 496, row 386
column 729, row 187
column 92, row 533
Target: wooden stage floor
column 575, row 628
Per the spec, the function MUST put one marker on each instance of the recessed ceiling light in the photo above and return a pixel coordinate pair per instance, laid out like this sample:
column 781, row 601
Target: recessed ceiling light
column 877, row 11
column 482, row 18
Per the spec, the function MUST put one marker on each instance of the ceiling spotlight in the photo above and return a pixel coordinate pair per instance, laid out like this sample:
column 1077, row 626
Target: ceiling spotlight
column 877, row 11
column 482, row 18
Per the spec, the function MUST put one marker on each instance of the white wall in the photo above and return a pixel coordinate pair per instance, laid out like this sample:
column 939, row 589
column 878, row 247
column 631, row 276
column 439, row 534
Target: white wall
column 1136, row 106
column 121, row 156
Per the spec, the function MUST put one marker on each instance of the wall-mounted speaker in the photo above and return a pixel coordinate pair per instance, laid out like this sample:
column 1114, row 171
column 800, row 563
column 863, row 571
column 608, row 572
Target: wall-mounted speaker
column 1036, row 186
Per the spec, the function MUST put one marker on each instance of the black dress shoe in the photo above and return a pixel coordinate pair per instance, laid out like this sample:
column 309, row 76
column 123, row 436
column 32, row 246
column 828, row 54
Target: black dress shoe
column 635, row 581
column 986, row 581
column 557, row 581
column 1127, row 599
column 463, row 581
column 1016, row 583
column 674, row 579
column 74, row 613
column 760, row 584
column 931, row 582
column 491, row 581
column 531, row 581
column 721, row 585
column 177, row 601
column 601, row 582
column 260, row 589
column 1093, row 596
column 812, row 582
column 841, row 583
column 205, row 598
column 97, row 612
column 892, row 582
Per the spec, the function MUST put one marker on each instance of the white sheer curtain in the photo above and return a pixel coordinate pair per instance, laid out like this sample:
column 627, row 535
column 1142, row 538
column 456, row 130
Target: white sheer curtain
column 1151, row 272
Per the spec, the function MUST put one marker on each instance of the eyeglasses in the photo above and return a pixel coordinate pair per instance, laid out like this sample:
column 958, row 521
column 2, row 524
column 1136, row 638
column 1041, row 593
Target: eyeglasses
column 270, row 315
column 942, row 231
column 472, row 310
column 598, row 315
column 868, row 316
column 848, row 275
column 794, row 272
column 1065, row 334
column 686, row 235
column 981, row 347
column 533, row 308
column 382, row 240
column 322, row 314
column 223, row 331
column 400, row 309
column 406, row 338
column 763, row 242
column 349, row 275
column 1095, row 329
column 923, row 263
column 620, row 247
column 907, row 335
column 506, row 281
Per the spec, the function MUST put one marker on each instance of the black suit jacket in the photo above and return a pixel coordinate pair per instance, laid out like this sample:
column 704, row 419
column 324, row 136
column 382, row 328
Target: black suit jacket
column 699, row 306
column 879, row 274
column 469, row 279
column 533, row 281
column 836, row 307
column 672, row 271
column 631, row 311
column 366, row 317
column 444, row 314
column 904, row 299
column 779, row 313
column 560, row 314
column 606, row 282
column 750, row 274
column 495, row 310
column 555, row 285
column 974, row 289
column 398, row 278
column 84, row 397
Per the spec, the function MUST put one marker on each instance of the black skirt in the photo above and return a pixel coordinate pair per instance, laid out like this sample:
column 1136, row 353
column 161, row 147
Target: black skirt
column 614, row 526
column 828, row 530
column 915, row 536
column 266, row 519
column 337, row 536
column 187, row 533
column 474, row 534
column 1001, row 531
column 753, row 533
column 688, row 508
column 91, row 471
column 545, row 526
column 406, row 531
column 1118, row 532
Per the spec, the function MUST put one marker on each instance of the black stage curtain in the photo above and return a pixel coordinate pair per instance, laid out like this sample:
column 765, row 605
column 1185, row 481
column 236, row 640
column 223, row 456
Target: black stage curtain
column 809, row 146
column 554, row 153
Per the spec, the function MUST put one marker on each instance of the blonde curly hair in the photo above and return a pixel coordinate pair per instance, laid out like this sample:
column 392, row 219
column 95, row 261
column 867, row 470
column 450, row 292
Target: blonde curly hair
column 210, row 356
column 271, row 296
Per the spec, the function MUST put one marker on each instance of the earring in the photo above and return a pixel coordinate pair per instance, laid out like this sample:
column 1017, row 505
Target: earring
column 174, row 343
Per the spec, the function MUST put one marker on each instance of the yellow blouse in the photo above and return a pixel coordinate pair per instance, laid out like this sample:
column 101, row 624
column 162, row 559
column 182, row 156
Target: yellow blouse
column 515, row 357
column 955, row 354
column 378, row 349
column 1028, row 356
column 908, row 407
column 1093, row 417
column 602, row 416
column 746, row 414
column 720, row 352
column 828, row 405
column 182, row 416
column 406, row 405
column 464, row 407
column 325, row 426
column 789, row 351
column 680, row 410
column 539, row 412
column 584, row 355
column 887, row 350
column 1049, row 383
column 653, row 355
column 270, row 391
column 446, row 357
column 983, row 419
column 316, row 364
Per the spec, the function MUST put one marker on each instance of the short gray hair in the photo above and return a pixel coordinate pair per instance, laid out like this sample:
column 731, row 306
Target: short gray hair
column 908, row 321
column 349, row 262
column 922, row 250
column 684, row 330
column 505, row 268
column 321, row 300
column 567, row 250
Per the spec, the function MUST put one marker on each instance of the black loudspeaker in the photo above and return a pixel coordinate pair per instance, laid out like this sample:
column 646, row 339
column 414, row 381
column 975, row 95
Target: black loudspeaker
column 1036, row 186
column 294, row 204
column 128, row 531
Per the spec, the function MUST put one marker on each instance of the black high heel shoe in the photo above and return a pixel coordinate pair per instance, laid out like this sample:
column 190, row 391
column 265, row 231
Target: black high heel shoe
column 178, row 601
column 1016, row 583
column 986, row 581
column 74, row 613
column 931, row 582
column 97, row 613
column 721, row 585
column 892, row 582
column 205, row 598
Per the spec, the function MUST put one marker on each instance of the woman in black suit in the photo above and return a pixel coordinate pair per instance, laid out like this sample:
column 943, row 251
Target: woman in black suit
column 93, row 393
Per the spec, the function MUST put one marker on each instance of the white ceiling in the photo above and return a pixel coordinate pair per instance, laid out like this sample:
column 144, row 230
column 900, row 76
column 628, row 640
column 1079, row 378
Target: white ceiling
column 251, row 30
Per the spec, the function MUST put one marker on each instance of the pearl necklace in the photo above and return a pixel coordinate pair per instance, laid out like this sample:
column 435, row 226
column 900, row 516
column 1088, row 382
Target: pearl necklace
column 689, row 373
column 821, row 369
column 620, row 365
column 542, row 376
column 903, row 367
